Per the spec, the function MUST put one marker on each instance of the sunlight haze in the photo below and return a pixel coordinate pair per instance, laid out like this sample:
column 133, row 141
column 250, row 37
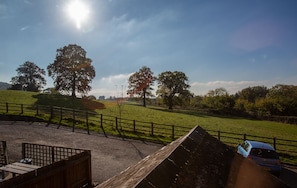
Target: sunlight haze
column 230, row 44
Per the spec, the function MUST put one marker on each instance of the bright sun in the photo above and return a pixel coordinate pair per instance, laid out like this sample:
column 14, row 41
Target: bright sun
column 78, row 11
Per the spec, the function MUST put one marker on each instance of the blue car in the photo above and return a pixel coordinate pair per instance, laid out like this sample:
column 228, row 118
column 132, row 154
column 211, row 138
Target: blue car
column 262, row 153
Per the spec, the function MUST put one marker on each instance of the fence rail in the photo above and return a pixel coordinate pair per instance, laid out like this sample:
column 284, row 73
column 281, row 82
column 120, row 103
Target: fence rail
column 283, row 146
column 43, row 155
column 69, row 168
column 3, row 153
column 105, row 123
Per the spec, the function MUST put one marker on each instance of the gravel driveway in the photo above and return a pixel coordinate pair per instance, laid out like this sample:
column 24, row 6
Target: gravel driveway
column 110, row 155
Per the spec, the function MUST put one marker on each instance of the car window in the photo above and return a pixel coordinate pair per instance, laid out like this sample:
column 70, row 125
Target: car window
column 245, row 146
column 264, row 153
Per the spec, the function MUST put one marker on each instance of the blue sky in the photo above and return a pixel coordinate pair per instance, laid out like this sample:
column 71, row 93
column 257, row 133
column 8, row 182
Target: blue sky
column 232, row 44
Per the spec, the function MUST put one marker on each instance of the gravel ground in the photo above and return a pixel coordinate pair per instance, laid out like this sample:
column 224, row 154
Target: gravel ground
column 110, row 155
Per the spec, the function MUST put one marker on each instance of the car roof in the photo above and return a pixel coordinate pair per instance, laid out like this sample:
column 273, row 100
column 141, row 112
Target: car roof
column 256, row 144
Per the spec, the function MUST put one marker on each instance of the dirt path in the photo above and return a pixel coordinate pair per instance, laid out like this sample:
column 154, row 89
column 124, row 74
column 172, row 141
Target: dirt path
column 110, row 155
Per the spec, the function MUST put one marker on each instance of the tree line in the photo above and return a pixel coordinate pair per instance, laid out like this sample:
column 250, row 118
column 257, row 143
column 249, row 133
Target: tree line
column 73, row 72
column 173, row 90
column 279, row 100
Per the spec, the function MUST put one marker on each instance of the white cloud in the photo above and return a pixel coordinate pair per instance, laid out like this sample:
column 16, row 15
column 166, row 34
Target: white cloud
column 123, row 26
column 25, row 28
column 115, row 78
column 114, row 85
column 200, row 88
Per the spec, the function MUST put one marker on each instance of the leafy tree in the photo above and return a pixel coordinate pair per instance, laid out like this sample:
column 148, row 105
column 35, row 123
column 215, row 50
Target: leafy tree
column 284, row 100
column 219, row 99
column 197, row 102
column 184, row 99
column 172, row 84
column 72, row 70
column 250, row 100
column 29, row 78
column 140, row 83
column 251, row 94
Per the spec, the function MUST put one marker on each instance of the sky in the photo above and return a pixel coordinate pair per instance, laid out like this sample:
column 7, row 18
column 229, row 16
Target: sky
column 231, row 44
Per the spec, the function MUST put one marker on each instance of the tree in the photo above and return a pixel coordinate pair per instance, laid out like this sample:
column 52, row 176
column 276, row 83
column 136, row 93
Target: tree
column 171, row 84
column 72, row 70
column 29, row 78
column 140, row 83
column 251, row 94
column 219, row 99
column 284, row 100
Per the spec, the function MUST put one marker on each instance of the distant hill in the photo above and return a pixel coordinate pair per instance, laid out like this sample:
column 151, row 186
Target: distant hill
column 4, row 86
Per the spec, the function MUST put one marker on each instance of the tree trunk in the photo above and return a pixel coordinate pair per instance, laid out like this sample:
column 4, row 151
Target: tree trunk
column 73, row 88
column 170, row 102
column 144, row 99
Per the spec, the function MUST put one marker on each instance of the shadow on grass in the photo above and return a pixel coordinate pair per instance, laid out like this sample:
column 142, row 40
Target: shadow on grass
column 142, row 136
column 68, row 102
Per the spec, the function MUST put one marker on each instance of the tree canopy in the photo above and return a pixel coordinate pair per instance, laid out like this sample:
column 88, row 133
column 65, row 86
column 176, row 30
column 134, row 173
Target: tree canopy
column 282, row 99
column 171, row 84
column 72, row 71
column 29, row 78
column 140, row 83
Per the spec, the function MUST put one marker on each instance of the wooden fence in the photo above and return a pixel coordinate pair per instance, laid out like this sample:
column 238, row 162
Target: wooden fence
column 104, row 123
column 43, row 155
column 70, row 169
column 3, row 153
column 283, row 146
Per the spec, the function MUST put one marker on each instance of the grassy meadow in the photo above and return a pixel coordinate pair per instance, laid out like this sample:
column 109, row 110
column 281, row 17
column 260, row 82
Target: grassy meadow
column 133, row 111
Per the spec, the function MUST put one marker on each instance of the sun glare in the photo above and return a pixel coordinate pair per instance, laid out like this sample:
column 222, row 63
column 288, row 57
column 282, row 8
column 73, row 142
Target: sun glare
column 78, row 12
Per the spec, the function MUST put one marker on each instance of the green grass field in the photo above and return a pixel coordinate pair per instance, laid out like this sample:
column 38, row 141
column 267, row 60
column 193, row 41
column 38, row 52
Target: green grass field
column 184, row 118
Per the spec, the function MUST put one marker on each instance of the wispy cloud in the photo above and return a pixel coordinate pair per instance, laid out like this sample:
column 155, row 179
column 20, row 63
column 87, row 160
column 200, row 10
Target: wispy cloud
column 202, row 88
column 25, row 28
column 125, row 26
column 114, row 85
column 28, row 2
column 257, row 35
column 115, row 78
column 3, row 11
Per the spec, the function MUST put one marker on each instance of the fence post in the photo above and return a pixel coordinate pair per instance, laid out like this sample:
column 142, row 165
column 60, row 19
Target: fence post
column 22, row 108
column 61, row 114
column 73, row 117
column 134, row 125
column 4, row 147
column 116, row 119
column 6, row 107
column 53, row 154
column 172, row 132
column 219, row 135
column 52, row 112
column 37, row 110
column 152, row 128
column 87, row 122
column 101, row 121
column 244, row 136
column 23, row 150
column 274, row 143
